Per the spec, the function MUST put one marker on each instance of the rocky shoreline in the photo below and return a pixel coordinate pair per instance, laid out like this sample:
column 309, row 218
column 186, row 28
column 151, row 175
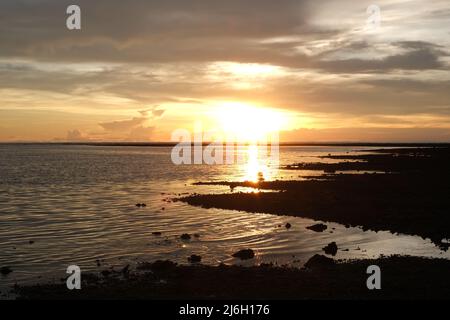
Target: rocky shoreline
column 411, row 197
column 321, row 278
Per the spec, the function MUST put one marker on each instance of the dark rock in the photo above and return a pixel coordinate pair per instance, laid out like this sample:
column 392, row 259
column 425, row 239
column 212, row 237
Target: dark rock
column 5, row 270
column 106, row 273
column 185, row 236
column 126, row 270
column 288, row 225
column 194, row 258
column 320, row 227
column 319, row 261
column 162, row 265
column 143, row 205
column 31, row 242
column 331, row 248
column 196, row 235
column 138, row 205
column 156, row 233
column 244, row 254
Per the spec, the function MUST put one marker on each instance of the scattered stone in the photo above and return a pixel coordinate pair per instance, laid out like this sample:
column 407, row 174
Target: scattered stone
column 125, row 270
column 185, row 236
column 162, row 265
column 31, row 242
column 5, row 270
column 98, row 263
column 319, row 261
column 156, row 233
column 331, row 248
column 345, row 249
column 266, row 265
column 320, row 227
column 143, row 205
column 196, row 235
column 288, row 225
column 138, row 205
column 244, row 254
column 106, row 273
column 194, row 258
column 144, row 266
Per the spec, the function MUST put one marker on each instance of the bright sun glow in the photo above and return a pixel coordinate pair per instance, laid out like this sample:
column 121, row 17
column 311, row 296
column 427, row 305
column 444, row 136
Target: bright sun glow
column 249, row 123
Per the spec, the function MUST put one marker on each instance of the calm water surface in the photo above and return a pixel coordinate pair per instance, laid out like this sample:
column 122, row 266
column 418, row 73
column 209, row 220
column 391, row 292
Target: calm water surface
column 63, row 205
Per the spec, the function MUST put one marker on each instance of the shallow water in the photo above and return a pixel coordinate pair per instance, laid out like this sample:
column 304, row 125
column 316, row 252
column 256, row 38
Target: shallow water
column 77, row 205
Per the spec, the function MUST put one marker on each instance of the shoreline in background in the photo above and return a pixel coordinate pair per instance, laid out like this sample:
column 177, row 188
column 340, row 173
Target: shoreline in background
column 281, row 144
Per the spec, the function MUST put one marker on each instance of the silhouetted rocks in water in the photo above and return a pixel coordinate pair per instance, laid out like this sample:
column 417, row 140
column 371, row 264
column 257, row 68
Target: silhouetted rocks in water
column 106, row 273
column 322, row 278
column 5, row 270
column 288, row 225
column 412, row 198
column 331, row 248
column 156, row 233
column 320, row 227
column 158, row 266
column 141, row 205
column 185, row 236
column 244, row 254
column 194, row 258
column 261, row 177
column 125, row 270
column 319, row 261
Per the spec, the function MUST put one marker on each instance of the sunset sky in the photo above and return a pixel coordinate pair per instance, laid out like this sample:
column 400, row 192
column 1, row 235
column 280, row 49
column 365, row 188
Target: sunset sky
column 137, row 70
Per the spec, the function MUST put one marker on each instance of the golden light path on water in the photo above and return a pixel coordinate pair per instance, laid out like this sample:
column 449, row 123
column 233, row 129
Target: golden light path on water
column 258, row 164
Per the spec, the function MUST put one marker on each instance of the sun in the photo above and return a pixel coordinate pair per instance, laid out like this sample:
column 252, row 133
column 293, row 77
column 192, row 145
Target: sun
column 248, row 123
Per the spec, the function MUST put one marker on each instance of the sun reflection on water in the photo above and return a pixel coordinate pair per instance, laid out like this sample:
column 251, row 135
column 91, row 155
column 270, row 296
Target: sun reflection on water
column 256, row 166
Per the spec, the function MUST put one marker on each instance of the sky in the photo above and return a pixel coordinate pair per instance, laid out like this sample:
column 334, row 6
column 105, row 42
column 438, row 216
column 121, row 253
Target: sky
column 140, row 69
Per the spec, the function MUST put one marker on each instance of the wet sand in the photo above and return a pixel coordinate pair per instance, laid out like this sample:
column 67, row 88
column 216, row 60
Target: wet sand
column 411, row 197
column 402, row 278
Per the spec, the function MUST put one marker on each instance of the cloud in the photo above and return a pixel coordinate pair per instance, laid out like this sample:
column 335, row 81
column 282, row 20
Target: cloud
column 123, row 125
column 155, row 111
column 171, row 54
column 134, row 129
column 75, row 136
